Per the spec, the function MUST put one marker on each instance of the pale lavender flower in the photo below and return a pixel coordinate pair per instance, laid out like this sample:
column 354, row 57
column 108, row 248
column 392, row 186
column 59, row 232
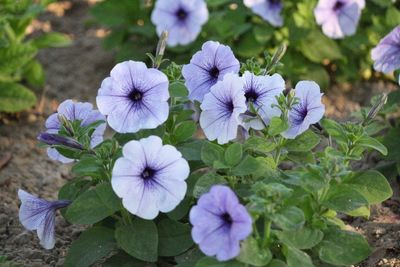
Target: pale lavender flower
column 386, row 55
column 220, row 222
column 269, row 10
column 134, row 97
column 261, row 92
column 339, row 18
column 221, row 109
column 308, row 111
column 150, row 177
column 207, row 67
column 74, row 111
column 182, row 19
column 39, row 214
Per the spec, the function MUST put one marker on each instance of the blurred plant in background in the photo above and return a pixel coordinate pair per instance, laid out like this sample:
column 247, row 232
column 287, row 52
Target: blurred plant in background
column 311, row 54
column 19, row 70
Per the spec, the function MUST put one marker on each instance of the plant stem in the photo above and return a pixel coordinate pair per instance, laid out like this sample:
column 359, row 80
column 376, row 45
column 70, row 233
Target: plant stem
column 267, row 231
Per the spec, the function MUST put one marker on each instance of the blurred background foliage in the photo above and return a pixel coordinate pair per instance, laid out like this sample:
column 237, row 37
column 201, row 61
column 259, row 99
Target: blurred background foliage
column 311, row 54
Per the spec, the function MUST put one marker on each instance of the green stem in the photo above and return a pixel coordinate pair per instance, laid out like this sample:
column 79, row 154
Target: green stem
column 278, row 150
column 267, row 232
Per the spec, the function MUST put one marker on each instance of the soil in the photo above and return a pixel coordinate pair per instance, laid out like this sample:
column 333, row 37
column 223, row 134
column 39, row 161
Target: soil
column 76, row 72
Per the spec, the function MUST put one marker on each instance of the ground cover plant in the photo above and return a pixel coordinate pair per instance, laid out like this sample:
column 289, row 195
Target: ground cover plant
column 19, row 70
column 329, row 40
column 264, row 186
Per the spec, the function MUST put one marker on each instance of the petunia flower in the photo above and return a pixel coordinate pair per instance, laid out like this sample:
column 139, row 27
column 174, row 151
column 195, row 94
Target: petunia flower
column 220, row 222
column 339, row 18
column 74, row 111
column 269, row 10
column 308, row 111
column 207, row 67
column 386, row 54
column 39, row 214
column 260, row 92
column 134, row 97
column 150, row 177
column 221, row 109
column 182, row 19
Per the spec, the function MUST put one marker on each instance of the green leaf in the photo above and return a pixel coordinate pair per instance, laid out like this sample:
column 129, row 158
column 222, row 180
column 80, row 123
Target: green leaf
column 248, row 46
column 14, row 57
column 211, row 152
column 252, row 254
column 174, row 237
column 297, row 258
column 289, row 218
column 372, row 185
column 277, row 126
column 181, row 210
column 184, row 131
column 189, row 258
column 34, row 73
column 317, row 47
column 73, row 189
column 233, row 154
column 304, row 142
column 88, row 166
column 51, row 39
column 121, row 259
column 277, row 263
column 178, row 89
column 259, row 145
column 344, row 198
column 370, row 142
column 205, row 182
column 343, row 248
column 191, row 150
column 94, row 205
column 249, row 165
column 91, row 246
column 15, row 97
column 139, row 239
column 304, row 238
column 212, row 262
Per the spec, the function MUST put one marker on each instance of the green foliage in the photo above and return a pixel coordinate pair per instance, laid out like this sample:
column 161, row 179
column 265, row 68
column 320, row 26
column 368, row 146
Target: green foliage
column 18, row 67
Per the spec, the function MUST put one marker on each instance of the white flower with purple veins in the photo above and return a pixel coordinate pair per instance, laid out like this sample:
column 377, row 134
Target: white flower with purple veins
column 261, row 92
column 75, row 111
column 182, row 19
column 308, row 111
column 221, row 109
column 386, row 55
column 339, row 18
column 134, row 97
column 269, row 10
column 207, row 67
column 150, row 177
column 39, row 214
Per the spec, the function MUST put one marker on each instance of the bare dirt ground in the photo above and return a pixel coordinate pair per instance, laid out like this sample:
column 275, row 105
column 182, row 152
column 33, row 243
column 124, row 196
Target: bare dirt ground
column 76, row 72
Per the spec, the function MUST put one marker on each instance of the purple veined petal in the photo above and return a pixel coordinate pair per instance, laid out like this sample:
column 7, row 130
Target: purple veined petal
column 67, row 108
column 220, row 222
column 46, row 230
column 182, row 19
column 53, row 123
column 386, row 54
column 110, row 96
column 348, row 19
column 150, row 177
column 269, row 10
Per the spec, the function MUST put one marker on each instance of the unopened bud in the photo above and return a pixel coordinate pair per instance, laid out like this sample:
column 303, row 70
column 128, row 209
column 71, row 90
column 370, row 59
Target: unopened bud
column 55, row 139
column 376, row 108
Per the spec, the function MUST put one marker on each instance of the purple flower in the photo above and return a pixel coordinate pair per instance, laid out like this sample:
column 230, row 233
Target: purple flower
column 39, row 214
column 74, row 111
column 339, row 18
column 150, row 177
column 207, row 67
column 260, row 91
column 269, row 10
column 308, row 111
column 181, row 18
column 220, row 222
column 134, row 97
column 387, row 53
column 221, row 109
column 55, row 139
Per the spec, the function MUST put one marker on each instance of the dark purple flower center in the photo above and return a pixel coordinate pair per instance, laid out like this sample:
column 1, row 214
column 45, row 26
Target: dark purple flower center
column 251, row 96
column 274, row 2
column 181, row 14
column 148, row 173
column 135, row 95
column 226, row 217
column 300, row 113
column 229, row 106
column 214, row 72
column 338, row 5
